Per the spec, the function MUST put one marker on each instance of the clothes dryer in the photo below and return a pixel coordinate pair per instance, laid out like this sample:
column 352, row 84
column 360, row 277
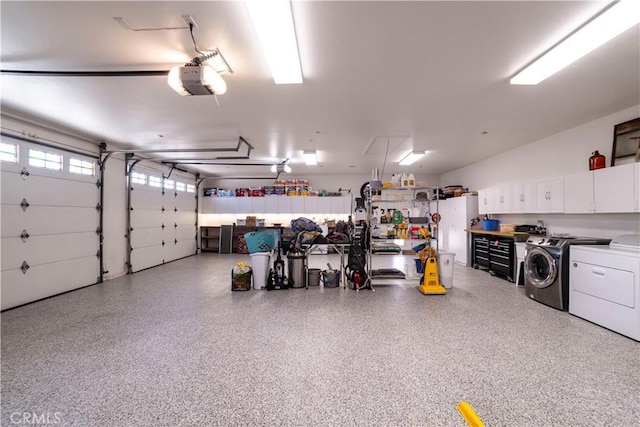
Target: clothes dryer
column 546, row 268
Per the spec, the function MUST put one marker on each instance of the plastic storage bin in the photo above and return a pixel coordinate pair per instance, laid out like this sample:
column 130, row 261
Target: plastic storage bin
column 490, row 224
column 445, row 268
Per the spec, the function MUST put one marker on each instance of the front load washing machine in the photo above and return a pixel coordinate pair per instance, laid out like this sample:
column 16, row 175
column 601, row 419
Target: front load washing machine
column 546, row 268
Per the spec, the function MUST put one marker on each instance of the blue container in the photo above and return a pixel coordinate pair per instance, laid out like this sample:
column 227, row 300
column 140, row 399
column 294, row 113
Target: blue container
column 419, row 265
column 490, row 224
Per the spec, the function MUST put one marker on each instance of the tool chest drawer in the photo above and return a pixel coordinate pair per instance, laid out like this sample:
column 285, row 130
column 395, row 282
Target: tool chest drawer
column 495, row 253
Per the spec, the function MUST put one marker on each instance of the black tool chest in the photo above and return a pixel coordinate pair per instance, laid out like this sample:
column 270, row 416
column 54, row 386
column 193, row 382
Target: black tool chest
column 495, row 254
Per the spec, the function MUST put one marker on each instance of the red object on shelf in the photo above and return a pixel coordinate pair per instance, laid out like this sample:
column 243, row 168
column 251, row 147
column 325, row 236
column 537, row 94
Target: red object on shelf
column 596, row 161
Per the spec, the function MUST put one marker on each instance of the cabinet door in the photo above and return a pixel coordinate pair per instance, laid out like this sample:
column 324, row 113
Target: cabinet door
column 258, row 205
column 528, row 193
column 523, row 195
column 483, row 201
column 502, row 196
column 556, row 194
column 208, row 205
column 579, row 193
column 284, row 204
column 226, row 205
column 324, row 205
column 271, row 204
column 542, row 196
column 311, row 205
column 454, row 227
column 549, row 195
column 337, row 205
column 245, row 205
column 613, row 189
column 297, row 204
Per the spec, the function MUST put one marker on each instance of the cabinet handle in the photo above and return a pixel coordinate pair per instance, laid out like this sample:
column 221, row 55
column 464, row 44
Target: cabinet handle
column 598, row 272
column 575, row 264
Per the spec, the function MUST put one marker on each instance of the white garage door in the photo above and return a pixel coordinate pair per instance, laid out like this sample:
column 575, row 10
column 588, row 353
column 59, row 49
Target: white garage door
column 162, row 223
column 49, row 233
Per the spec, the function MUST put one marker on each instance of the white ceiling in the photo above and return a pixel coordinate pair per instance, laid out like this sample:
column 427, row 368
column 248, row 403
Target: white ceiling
column 425, row 75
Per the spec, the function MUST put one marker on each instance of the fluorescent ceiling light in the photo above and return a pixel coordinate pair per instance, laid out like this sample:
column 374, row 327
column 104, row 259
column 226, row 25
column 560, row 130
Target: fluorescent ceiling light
column 411, row 158
column 310, row 158
column 615, row 20
column 280, row 168
column 273, row 22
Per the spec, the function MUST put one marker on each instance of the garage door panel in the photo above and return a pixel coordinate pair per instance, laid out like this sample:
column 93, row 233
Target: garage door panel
column 40, row 220
column 148, row 203
column 37, row 250
column 142, row 237
column 179, row 250
column 142, row 258
column 141, row 218
column 46, row 280
column 146, row 198
column 185, row 248
column 186, row 203
column 47, row 191
column 185, row 232
column 185, row 218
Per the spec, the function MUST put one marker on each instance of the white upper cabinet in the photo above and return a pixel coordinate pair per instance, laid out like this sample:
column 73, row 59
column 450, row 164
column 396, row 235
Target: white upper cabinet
column 523, row 197
column 550, row 195
column 498, row 199
column 578, row 196
column 502, row 198
column 484, row 201
column 613, row 189
column 608, row 190
column 297, row 204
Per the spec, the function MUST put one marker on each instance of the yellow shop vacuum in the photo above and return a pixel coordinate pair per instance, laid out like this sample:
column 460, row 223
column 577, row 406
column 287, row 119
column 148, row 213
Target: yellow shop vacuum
column 430, row 283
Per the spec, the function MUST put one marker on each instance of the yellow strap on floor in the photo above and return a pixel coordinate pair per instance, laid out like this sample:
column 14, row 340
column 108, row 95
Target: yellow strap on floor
column 469, row 415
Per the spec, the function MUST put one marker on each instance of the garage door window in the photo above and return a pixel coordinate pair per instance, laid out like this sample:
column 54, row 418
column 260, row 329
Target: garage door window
column 155, row 181
column 8, row 152
column 44, row 159
column 180, row 186
column 169, row 184
column 138, row 178
column 191, row 188
column 81, row 167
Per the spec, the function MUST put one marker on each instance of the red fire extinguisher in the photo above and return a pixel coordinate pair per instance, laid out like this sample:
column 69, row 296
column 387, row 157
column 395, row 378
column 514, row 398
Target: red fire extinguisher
column 596, row 161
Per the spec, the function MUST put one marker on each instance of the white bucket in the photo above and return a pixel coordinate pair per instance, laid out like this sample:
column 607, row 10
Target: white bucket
column 260, row 266
column 445, row 268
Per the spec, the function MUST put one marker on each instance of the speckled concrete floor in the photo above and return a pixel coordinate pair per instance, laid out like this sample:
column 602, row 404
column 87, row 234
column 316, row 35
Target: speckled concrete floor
column 173, row 346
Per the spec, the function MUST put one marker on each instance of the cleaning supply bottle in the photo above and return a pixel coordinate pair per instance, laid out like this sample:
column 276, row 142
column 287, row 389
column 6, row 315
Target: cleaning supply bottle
column 411, row 181
column 405, row 180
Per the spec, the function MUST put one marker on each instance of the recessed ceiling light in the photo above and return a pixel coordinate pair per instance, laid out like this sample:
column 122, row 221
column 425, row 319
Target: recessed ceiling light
column 310, row 157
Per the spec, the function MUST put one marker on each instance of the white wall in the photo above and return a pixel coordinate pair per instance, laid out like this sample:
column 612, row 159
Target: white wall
column 115, row 218
column 561, row 154
column 565, row 153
